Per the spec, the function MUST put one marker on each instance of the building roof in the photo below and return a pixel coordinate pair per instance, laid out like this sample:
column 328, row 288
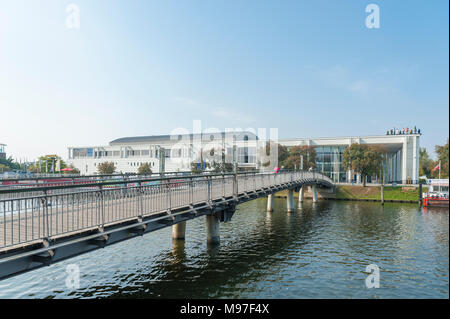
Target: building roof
column 240, row 135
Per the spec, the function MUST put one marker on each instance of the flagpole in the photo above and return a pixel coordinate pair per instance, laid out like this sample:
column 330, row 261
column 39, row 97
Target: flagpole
column 439, row 176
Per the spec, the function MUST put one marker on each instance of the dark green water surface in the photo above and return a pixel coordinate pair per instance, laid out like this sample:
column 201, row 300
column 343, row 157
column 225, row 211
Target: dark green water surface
column 320, row 251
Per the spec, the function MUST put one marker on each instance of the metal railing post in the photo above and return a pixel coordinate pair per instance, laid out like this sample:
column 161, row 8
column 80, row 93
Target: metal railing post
column 223, row 185
column 235, row 185
column 191, row 191
column 102, row 207
column 169, row 196
column 141, row 201
column 47, row 226
column 208, row 179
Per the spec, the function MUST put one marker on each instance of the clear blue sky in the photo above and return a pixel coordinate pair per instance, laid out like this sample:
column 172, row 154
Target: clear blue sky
column 308, row 68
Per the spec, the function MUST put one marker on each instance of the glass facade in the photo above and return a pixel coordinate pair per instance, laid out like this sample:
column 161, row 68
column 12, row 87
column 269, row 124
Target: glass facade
column 83, row 152
column 329, row 162
column 246, row 155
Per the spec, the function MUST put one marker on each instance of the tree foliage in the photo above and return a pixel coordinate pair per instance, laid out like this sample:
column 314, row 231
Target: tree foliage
column 364, row 159
column 222, row 167
column 264, row 156
column 8, row 164
column 294, row 155
column 426, row 163
column 144, row 169
column 443, row 155
column 283, row 154
column 47, row 164
column 106, row 168
column 74, row 170
column 196, row 170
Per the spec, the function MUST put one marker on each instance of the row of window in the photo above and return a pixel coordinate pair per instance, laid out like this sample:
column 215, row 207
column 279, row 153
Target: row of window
column 168, row 153
column 152, row 164
column 135, row 163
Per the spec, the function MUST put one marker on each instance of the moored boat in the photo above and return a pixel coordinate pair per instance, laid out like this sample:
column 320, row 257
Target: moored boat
column 438, row 195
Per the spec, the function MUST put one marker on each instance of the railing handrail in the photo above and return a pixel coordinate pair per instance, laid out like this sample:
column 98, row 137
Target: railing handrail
column 40, row 213
column 104, row 183
column 72, row 176
column 151, row 179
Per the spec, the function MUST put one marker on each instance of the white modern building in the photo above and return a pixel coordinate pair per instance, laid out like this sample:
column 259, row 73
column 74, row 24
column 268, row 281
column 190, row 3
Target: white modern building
column 170, row 153
column 401, row 166
column 167, row 153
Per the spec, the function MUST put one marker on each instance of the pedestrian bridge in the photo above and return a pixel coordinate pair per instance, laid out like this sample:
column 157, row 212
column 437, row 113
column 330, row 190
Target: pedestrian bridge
column 43, row 225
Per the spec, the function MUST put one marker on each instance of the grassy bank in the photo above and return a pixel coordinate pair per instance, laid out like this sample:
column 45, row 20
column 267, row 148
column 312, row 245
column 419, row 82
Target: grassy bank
column 370, row 192
column 394, row 193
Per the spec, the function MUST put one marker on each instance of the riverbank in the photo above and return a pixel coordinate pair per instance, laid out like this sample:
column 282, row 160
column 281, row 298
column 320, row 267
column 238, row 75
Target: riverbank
column 402, row 194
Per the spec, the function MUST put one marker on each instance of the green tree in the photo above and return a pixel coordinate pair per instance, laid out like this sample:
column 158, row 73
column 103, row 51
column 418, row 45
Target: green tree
column 106, row 168
column 8, row 164
column 47, row 164
column 425, row 162
column 363, row 159
column 74, row 170
column 222, row 167
column 4, row 168
column 283, row 154
column 294, row 155
column 264, row 154
column 196, row 170
column 443, row 155
column 144, row 169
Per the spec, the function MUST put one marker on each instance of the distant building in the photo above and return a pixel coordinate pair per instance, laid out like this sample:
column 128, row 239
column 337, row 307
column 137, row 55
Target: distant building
column 2, row 150
column 401, row 166
column 166, row 153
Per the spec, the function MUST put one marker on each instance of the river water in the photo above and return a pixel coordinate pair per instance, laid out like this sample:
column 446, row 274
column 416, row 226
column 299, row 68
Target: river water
column 320, row 251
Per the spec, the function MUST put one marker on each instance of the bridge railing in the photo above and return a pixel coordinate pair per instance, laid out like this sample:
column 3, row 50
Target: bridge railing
column 49, row 212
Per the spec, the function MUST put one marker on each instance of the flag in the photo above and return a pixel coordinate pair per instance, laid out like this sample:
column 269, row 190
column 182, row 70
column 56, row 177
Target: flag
column 438, row 166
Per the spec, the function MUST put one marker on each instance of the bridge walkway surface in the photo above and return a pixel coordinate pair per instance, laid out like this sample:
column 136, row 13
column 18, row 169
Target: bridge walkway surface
column 42, row 225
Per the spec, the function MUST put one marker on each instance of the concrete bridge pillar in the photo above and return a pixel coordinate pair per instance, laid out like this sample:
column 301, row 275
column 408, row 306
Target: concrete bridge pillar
column 270, row 203
column 290, row 201
column 179, row 231
column 212, row 229
column 301, row 194
column 314, row 194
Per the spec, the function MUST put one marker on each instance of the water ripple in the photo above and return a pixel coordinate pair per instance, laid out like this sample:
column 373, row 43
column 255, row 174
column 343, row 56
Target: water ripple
column 321, row 251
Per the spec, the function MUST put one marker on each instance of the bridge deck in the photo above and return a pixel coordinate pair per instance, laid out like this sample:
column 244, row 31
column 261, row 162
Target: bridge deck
column 68, row 214
column 32, row 219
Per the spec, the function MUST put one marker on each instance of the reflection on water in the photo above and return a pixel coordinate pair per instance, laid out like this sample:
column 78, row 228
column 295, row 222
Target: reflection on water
column 320, row 251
